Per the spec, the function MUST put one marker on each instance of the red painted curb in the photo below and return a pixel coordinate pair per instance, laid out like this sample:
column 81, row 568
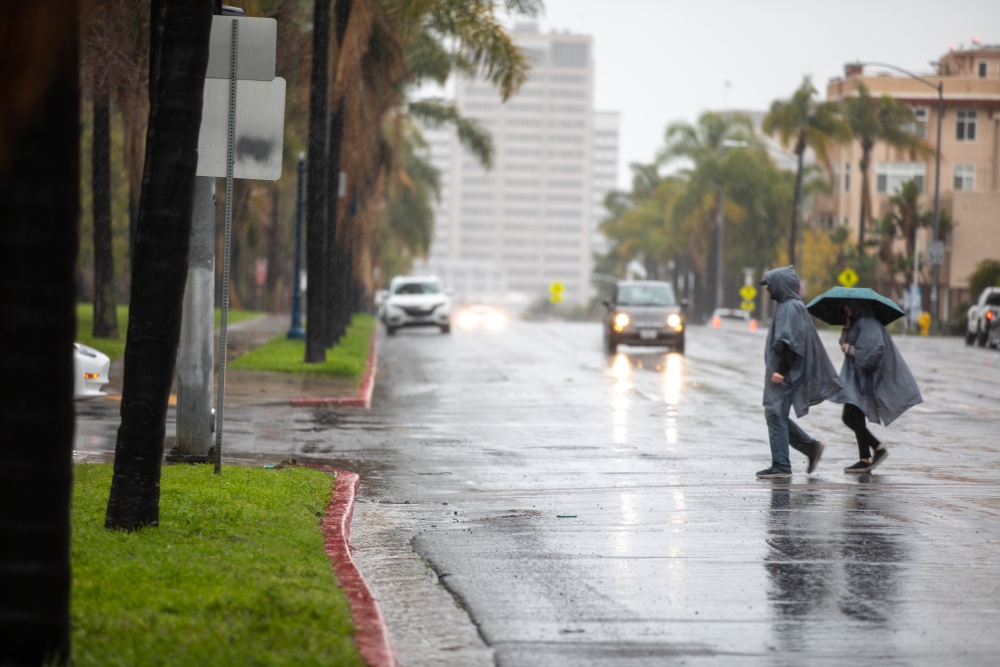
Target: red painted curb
column 363, row 399
column 371, row 633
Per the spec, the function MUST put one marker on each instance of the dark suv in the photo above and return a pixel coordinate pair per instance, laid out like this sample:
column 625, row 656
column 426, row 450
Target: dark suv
column 643, row 312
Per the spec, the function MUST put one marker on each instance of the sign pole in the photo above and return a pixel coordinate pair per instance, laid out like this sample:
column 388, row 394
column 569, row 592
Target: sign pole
column 225, row 261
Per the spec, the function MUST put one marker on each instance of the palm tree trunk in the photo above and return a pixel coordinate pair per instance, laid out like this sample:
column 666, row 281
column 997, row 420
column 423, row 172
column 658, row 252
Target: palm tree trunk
column 866, row 204
column 317, row 226
column 800, row 149
column 39, row 239
column 334, row 250
column 180, row 32
column 105, row 313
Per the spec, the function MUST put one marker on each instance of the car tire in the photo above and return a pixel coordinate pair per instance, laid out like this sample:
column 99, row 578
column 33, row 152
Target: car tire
column 981, row 338
column 610, row 344
column 970, row 337
column 446, row 328
column 679, row 348
column 391, row 331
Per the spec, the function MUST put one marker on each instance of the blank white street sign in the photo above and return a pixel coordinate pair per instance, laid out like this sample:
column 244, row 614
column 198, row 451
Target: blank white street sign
column 258, row 43
column 260, row 129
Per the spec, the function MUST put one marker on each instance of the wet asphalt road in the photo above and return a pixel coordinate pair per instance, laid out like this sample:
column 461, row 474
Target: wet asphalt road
column 675, row 553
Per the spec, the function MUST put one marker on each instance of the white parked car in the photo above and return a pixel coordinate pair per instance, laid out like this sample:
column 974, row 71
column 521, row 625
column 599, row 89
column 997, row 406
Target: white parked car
column 416, row 301
column 727, row 317
column 981, row 317
column 90, row 372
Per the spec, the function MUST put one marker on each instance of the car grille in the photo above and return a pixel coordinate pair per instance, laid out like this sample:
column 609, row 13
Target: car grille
column 416, row 311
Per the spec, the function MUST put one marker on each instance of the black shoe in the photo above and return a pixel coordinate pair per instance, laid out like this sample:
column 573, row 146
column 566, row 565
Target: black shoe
column 775, row 473
column 860, row 466
column 879, row 456
column 815, row 456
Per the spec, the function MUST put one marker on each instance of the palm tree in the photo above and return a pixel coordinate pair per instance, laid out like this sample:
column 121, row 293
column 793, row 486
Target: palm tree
column 803, row 123
column 705, row 144
column 39, row 239
column 179, row 34
column 871, row 120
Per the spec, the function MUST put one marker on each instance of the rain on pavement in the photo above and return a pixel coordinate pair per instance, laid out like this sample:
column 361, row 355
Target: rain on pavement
column 670, row 551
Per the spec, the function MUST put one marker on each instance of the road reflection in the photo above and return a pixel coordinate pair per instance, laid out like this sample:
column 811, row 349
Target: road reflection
column 820, row 562
column 632, row 370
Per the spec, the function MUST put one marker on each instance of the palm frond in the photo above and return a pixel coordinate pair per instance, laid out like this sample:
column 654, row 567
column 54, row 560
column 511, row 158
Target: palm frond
column 435, row 112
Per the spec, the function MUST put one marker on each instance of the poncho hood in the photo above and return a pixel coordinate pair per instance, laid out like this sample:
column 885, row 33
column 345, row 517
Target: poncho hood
column 812, row 378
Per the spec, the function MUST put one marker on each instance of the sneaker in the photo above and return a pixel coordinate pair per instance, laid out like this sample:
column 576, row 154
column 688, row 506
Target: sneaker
column 859, row 467
column 774, row 473
column 879, row 456
column 814, row 458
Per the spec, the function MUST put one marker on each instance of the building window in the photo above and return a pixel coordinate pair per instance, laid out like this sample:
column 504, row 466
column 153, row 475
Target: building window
column 965, row 177
column 847, row 177
column 569, row 54
column 890, row 176
column 920, row 126
column 982, row 70
column 965, row 126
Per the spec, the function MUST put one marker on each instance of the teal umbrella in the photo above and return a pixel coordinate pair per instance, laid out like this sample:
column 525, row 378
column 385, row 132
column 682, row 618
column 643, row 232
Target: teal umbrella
column 829, row 306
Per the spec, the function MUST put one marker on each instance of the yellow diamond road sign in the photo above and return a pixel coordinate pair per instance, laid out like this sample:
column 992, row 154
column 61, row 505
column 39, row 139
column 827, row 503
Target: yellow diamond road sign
column 748, row 292
column 848, row 277
column 556, row 290
column 747, row 306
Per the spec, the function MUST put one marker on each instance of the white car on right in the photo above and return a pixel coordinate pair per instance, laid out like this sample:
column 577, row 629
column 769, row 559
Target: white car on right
column 982, row 316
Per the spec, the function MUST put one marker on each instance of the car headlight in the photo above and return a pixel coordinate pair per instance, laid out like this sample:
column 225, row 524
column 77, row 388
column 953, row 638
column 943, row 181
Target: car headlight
column 674, row 320
column 621, row 321
column 467, row 320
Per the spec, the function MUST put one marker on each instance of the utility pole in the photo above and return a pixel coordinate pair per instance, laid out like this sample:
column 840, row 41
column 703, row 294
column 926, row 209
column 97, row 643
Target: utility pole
column 296, row 332
column 719, row 244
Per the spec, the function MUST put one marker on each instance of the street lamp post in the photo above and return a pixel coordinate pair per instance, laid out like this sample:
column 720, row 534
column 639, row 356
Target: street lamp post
column 720, row 221
column 935, row 267
column 297, row 332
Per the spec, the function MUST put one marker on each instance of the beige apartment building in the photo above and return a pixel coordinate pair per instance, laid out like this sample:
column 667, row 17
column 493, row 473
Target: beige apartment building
column 970, row 160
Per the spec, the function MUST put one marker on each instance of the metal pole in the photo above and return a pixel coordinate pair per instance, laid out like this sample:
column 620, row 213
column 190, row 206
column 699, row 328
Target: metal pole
column 720, row 232
column 296, row 332
column 195, row 352
column 935, row 268
column 225, row 261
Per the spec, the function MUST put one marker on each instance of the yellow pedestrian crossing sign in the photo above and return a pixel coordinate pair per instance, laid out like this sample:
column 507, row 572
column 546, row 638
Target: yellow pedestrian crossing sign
column 848, row 277
column 556, row 290
column 748, row 292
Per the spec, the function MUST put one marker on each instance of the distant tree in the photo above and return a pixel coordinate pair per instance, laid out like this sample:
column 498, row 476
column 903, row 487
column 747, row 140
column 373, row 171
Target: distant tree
column 803, row 123
column 180, row 33
column 39, row 239
column 987, row 274
column 872, row 120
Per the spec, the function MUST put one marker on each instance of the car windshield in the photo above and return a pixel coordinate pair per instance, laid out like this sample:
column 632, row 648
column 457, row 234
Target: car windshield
column 646, row 295
column 418, row 288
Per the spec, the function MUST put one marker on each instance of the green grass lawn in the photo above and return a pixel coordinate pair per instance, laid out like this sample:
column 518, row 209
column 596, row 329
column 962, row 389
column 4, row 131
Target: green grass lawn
column 116, row 348
column 234, row 575
column 346, row 359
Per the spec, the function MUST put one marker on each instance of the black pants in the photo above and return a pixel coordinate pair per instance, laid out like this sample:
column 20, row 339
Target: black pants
column 854, row 419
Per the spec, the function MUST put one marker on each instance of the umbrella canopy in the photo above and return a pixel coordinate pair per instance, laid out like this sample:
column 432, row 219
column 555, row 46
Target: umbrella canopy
column 829, row 306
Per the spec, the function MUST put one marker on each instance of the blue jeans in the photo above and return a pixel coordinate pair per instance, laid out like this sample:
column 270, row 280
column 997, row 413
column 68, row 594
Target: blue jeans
column 782, row 431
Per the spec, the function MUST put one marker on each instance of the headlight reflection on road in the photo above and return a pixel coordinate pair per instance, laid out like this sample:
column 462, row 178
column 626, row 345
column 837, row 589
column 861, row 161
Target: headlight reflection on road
column 672, row 379
column 620, row 370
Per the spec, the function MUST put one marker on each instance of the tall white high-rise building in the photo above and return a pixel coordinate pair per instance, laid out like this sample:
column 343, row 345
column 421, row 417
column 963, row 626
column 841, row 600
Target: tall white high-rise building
column 532, row 219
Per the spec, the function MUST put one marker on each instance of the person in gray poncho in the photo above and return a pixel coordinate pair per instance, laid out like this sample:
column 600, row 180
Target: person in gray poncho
column 877, row 383
column 799, row 374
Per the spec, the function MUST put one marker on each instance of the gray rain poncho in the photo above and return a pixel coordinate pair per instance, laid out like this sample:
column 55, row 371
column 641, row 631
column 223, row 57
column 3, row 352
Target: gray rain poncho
column 875, row 378
column 811, row 379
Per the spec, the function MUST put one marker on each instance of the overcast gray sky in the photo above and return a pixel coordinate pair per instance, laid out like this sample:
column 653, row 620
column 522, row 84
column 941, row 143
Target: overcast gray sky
column 658, row 61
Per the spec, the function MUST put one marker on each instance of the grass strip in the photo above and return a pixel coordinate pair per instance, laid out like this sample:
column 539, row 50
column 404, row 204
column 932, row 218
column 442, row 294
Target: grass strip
column 115, row 348
column 346, row 359
column 234, row 575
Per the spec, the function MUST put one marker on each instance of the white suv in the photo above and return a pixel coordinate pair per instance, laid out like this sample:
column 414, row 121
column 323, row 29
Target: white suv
column 416, row 302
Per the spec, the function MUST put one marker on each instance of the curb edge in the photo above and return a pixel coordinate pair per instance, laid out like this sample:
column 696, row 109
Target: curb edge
column 363, row 398
column 371, row 632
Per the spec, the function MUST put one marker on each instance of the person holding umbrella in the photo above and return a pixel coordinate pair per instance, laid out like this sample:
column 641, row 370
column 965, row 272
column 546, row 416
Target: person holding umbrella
column 877, row 383
column 799, row 373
